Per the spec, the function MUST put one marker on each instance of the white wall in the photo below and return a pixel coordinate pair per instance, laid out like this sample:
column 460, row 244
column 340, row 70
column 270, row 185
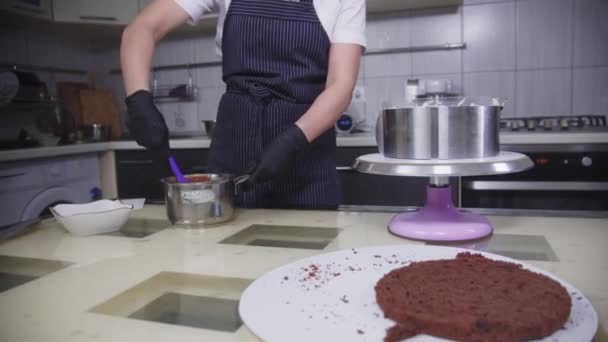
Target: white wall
column 39, row 48
column 545, row 57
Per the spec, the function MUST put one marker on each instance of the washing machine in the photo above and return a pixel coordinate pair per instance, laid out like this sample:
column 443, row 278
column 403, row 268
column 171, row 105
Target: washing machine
column 29, row 188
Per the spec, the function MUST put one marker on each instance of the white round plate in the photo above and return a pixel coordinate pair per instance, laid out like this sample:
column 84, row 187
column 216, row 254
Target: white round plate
column 330, row 297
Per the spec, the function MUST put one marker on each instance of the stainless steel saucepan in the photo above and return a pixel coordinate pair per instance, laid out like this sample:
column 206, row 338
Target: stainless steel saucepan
column 206, row 199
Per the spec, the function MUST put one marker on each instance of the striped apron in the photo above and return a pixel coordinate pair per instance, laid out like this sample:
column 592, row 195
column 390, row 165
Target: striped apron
column 275, row 61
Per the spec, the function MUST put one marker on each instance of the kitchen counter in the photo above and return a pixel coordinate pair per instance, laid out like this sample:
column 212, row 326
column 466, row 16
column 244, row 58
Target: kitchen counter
column 59, row 305
column 354, row 140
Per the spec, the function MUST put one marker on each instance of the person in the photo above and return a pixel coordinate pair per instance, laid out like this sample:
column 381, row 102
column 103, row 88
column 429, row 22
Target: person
column 290, row 68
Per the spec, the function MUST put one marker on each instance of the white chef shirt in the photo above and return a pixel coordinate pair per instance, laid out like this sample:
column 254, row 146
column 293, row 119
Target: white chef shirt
column 343, row 20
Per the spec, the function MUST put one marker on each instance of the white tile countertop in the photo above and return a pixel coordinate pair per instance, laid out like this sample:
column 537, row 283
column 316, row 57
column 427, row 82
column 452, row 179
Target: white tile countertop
column 90, row 299
column 355, row 140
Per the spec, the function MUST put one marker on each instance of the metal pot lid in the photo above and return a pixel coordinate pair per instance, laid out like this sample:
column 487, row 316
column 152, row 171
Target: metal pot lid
column 505, row 162
column 453, row 101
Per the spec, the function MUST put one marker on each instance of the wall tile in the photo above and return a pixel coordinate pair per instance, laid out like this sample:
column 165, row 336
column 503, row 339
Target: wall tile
column 387, row 65
column 436, row 26
column 457, row 85
column 437, row 62
column 209, row 102
column 496, row 83
column 382, row 90
column 543, row 92
column 106, row 59
column 13, row 47
column 590, row 33
column 204, row 49
column 43, row 50
column 169, row 52
column 388, row 32
column 590, row 91
column 209, row 77
column 489, row 32
column 544, row 33
column 181, row 117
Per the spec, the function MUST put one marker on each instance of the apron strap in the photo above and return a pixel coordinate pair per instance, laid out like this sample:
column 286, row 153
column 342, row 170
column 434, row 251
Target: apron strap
column 257, row 90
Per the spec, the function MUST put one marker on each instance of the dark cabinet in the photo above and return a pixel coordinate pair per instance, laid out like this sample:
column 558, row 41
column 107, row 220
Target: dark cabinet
column 139, row 172
column 376, row 190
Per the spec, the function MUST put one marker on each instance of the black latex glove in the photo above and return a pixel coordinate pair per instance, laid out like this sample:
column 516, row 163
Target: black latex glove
column 278, row 156
column 145, row 122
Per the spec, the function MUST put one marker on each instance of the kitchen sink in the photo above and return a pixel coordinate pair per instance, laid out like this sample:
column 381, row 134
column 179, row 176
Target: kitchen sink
column 316, row 238
column 16, row 271
column 141, row 227
column 198, row 301
column 520, row 247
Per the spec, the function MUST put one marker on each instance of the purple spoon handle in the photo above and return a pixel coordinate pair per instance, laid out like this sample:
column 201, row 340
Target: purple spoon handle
column 179, row 177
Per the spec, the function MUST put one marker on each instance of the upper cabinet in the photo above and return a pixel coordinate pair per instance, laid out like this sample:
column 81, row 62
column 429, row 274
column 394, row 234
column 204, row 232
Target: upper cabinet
column 111, row 12
column 34, row 8
column 380, row 6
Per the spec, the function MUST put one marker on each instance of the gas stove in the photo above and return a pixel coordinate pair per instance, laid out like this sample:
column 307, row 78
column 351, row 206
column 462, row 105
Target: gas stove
column 555, row 124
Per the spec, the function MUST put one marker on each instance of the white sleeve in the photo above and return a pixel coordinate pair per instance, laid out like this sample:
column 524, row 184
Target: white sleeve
column 196, row 8
column 350, row 24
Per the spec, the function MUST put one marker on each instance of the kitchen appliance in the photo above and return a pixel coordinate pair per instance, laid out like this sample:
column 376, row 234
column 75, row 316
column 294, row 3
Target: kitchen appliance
column 204, row 200
column 22, row 87
column 450, row 128
column 345, row 124
column 584, row 123
column 208, row 127
column 567, row 180
column 23, row 140
column 97, row 132
column 29, row 188
column 456, row 137
column 99, row 106
column 331, row 297
column 9, row 86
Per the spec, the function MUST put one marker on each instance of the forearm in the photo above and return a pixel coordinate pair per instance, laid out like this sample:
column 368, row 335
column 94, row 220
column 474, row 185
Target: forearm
column 326, row 110
column 136, row 52
column 139, row 40
column 344, row 60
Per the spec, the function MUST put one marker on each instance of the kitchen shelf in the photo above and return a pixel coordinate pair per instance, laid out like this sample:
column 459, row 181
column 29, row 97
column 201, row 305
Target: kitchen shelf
column 420, row 48
column 387, row 51
column 31, row 67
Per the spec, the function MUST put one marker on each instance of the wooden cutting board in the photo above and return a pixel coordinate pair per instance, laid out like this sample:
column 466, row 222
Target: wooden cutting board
column 100, row 106
column 69, row 92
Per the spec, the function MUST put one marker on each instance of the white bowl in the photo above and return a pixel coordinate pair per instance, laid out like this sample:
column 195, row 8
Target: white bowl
column 97, row 217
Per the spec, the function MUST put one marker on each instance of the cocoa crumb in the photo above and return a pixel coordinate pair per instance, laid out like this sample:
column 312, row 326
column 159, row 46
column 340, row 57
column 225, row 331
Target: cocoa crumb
column 337, row 274
column 343, row 298
column 285, row 278
column 360, row 332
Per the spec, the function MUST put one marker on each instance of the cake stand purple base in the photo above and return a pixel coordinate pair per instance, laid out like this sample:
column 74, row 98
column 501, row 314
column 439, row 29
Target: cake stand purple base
column 439, row 220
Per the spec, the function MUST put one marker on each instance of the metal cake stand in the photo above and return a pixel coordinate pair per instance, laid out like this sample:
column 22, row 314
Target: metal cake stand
column 439, row 220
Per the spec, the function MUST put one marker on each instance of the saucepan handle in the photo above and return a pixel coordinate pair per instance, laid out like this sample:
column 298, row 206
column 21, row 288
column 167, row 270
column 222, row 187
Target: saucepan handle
column 238, row 183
